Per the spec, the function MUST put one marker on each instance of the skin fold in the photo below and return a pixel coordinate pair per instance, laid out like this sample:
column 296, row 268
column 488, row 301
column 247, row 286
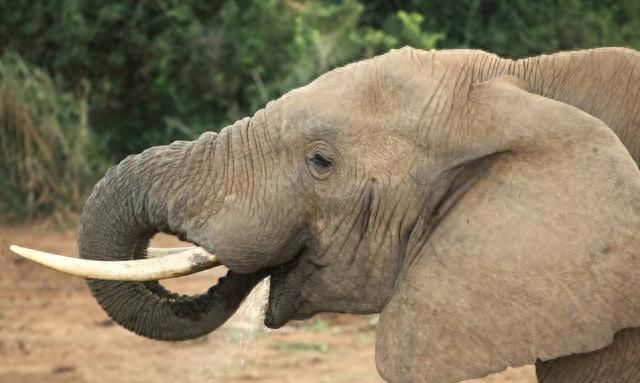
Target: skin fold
column 432, row 187
column 617, row 362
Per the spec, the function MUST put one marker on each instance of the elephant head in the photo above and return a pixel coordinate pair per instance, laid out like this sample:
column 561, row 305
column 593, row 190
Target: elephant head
column 491, row 226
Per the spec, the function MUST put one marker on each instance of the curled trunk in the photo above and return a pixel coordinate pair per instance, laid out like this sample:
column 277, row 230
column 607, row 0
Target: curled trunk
column 143, row 195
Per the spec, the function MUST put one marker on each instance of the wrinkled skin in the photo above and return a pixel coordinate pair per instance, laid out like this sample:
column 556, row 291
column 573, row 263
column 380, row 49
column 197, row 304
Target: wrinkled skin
column 391, row 185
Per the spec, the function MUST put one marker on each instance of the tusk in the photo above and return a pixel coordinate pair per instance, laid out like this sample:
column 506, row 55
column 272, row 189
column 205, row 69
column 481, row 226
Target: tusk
column 154, row 252
column 173, row 265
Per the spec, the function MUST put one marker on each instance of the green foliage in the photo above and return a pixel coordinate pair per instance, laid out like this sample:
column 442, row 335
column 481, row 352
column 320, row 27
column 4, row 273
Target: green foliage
column 166, row 69
column 45, row 162
column 517, row 28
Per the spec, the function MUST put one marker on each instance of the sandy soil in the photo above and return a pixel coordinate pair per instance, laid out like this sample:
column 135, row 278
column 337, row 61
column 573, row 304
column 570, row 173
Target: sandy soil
column 51, row 330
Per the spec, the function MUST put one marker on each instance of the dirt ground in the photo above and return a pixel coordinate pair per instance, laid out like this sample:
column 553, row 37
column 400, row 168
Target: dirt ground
column 51, row 330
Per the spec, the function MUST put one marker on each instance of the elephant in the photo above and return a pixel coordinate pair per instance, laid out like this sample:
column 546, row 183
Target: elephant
column 487, row 208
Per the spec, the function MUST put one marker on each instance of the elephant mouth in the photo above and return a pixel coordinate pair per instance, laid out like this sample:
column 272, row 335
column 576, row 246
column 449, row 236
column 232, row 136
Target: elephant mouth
column 285, row 298
column 280, row 308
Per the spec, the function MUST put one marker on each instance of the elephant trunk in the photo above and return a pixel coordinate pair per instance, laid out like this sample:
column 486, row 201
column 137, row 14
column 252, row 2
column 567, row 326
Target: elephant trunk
column 143, row 195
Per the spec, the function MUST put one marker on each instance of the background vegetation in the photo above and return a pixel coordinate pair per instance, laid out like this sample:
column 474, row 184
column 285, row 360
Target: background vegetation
column 84, row 83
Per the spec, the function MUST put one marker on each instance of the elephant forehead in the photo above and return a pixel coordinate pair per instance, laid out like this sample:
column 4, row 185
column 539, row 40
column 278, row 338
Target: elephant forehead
column 401, row 90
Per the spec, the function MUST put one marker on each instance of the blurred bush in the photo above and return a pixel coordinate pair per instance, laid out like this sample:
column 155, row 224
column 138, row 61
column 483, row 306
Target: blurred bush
column 44, row 158
column 518, row 28
column 165, row 70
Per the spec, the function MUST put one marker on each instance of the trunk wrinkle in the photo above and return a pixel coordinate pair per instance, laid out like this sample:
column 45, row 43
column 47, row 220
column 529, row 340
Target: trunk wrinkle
column 143, row 195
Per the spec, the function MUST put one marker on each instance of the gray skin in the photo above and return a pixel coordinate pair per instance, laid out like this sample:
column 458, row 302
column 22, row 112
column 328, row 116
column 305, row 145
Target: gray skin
column 484, row 206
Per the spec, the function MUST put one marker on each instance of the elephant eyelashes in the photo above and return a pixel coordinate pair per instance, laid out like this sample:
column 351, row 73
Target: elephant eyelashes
column 320, row 161
column 319, row 166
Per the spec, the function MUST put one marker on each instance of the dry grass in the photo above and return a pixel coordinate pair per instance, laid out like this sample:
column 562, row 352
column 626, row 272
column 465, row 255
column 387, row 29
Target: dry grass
column 43, row 144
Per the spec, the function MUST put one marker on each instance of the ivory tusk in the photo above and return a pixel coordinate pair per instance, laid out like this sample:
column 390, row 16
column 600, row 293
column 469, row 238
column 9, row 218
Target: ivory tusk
column 175, row 264
column 154, row 252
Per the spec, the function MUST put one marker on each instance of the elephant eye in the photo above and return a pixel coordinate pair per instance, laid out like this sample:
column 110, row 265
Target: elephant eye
column 320, row 161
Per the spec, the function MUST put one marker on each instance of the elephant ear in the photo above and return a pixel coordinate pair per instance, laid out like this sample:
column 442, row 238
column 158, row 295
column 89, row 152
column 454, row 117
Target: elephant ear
column 537, row 259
